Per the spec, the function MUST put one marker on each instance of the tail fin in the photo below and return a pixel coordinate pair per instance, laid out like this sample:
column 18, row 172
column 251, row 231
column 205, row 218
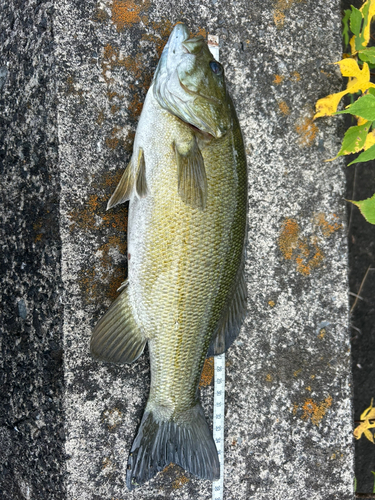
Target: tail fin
column 186, row 441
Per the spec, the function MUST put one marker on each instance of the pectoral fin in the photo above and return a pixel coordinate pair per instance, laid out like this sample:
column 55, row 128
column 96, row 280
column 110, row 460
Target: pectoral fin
column 141, row 184
column 131, row 178
column 192, row 180
column 230, row 323
column 117, row 337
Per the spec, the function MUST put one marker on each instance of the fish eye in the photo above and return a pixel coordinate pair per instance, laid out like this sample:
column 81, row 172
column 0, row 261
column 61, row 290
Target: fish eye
column 216, row 68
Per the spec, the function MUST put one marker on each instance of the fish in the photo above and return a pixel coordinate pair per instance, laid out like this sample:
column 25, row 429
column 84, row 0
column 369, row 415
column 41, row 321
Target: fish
column 186, row 292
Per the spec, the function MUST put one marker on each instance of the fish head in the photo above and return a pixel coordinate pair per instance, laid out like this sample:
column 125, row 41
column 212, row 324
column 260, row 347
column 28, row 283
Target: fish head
column 190, row 84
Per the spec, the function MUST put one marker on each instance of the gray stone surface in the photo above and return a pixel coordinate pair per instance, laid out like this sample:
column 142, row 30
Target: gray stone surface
column 288, row 410
column 31, row 372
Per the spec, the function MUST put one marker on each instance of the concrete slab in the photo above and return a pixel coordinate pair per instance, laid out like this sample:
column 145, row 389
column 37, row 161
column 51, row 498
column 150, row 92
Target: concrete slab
column 288, row 429
column 32, row 453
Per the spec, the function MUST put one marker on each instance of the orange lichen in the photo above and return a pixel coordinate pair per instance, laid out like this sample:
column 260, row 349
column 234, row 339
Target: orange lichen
column 168, row 467
column 269, row 377
column 280, row 8
column 201, row 32
column 315, row 411
column 327, row 227
column 100, row 118
column 284, row 108
column 207, row 372
column 88, row 283
column 278, row 79
column 294, row 247
column 295, row 76
column 306, row 267
column 93, row 217
column 115, row 139
column 271, row 303
column 322, row 333
column 278, row 18
column 115, row 219
column 307, row 254
column 112, row 142
column 115, row 108
column 112, row 59
column 107, row 462
column 111, row 95
column 71, row 88
column 179, row 482
column 307, row 130
column 83, row 218
column 289, row 237
column 126, row 13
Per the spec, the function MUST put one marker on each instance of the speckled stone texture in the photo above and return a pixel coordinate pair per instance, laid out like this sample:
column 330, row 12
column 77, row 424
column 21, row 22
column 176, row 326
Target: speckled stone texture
column 32, row 451
column 288, row 427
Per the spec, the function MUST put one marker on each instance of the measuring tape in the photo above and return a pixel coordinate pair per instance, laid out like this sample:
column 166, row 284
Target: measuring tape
column 219, row 367
column 218, row 424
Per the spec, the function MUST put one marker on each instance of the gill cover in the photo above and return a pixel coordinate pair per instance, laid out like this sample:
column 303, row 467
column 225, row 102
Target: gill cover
column 190, row 84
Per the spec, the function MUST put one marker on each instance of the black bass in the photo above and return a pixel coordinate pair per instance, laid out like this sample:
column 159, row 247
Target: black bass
column 186, row 291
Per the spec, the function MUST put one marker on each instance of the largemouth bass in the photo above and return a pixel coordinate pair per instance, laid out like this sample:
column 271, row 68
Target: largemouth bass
column 186, row 291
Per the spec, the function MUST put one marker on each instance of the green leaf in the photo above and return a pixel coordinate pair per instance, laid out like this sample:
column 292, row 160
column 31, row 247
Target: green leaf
column 355, row 21
column 367, row 155
column 367, row 208
column 363, row 107
column 354, row 139
column 371, row 90
column 345, row 29
column 360, row 40
column 367, row 55
column 373, row 488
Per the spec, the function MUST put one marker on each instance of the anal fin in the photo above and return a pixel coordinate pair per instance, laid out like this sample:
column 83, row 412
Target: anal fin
column 233, row 315
column 117, row 337
column 192, row 179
